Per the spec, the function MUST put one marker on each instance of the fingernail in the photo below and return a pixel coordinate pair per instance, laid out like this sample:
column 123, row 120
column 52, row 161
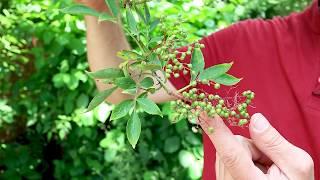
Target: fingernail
column 260, row 123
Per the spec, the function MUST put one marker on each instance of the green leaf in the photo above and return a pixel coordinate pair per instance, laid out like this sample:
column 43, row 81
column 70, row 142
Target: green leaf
column 112, row 4
column 154, row 24
column 197, row 61
column 129, row 55
column 125, row 83
column 79, row 9
column 140, row 13
column 110, row 73
column 215, row 71
column 149, row 67
column 172, row 144
column 133, row 129
column 101, row 97
column 227, row 80
column 186, row 158
column 147, row 82
column 106, row 17
column 122, row 109
column 149, row 106
column 147, row 12
column 131, row 21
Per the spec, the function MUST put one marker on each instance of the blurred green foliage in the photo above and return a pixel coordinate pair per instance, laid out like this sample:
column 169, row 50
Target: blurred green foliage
column 43, row 91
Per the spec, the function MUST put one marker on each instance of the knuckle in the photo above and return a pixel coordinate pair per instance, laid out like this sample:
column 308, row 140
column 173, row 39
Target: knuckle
column 274, row 142
column 230, row 158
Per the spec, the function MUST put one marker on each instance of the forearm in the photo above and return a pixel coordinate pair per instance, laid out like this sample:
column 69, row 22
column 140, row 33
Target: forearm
column 104, row 40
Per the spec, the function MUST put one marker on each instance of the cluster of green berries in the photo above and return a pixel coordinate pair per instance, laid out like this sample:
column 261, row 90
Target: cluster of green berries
column 195, row 102
column 176, row 65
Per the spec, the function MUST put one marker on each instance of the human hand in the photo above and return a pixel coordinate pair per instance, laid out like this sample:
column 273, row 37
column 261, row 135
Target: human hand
column 268, row 156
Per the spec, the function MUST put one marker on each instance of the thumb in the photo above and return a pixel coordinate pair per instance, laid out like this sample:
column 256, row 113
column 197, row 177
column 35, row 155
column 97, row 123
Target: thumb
column 285, row 155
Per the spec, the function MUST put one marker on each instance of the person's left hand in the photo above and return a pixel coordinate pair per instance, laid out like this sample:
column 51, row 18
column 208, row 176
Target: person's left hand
column 268, row 156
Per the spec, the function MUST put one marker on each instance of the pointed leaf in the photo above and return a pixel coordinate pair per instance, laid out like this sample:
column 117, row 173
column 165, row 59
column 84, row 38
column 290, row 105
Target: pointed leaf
column 131, row 22
column 197, row 61
column 106, row 17
column 154, row 24
column 110, row 73
column 133, row 129
column 79, row 9
column 122, row 109
column 129, row 55
column 149, row 106
column 227, row 80
column 147, row 12
column 147, row 82
column 125, row 83
column 215, row 71
column 112, row 4
column 101, row 97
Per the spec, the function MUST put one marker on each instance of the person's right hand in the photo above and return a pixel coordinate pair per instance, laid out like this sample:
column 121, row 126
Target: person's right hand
column 281, row 160
column 98, row 5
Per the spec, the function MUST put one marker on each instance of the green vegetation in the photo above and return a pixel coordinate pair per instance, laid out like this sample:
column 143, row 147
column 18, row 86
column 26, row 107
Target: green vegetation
column 44, row 90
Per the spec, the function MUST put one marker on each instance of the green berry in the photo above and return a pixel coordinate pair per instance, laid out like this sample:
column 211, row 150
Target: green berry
column 210, row 130
column 219, row 106
column 176, row 75
column 218, row 110
column 233, row 113
column 202, row 46
column 202, row 104
column 202, row 95
column 188, row 52
column 168, row 71
column 242, row 122
column 175, row 68
column 205, row 81
column 217, row 86
column 168, row 75
column 221, row 101
column 189, row 65
column 180, row 67
column 211, row 97
column 185, row 72
column 169, row 66
column 193, row 83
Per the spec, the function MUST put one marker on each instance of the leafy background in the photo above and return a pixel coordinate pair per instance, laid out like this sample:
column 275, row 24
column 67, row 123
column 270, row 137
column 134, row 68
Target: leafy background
column 43, row 91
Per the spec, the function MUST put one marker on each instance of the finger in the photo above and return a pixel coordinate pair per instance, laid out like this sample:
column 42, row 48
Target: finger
column 256, row 155
column 275, row 173
column 277, row 148
column 221, row 171
column 231, row 152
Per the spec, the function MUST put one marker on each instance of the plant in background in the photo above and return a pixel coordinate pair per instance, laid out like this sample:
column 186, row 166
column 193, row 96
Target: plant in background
column 147, row 68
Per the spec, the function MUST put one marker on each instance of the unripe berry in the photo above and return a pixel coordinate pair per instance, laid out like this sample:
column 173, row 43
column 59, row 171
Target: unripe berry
column 185, row 72
column 210, row 130
column 217, row 86
column 202, row 46
column 219, row 106
column 233, row 113
column 180, row 67
column 205, row 81
column 218, row 110
column 221, row 101
column 188, row 52
column 168, row 71
column 189, row 65
column 168, row 75
column 176, row 75
column 242, row 122
column 202, row 104
column 175, row 68
column 202, row 95
column 169, row 66
column 211, row 97
column 193, row 83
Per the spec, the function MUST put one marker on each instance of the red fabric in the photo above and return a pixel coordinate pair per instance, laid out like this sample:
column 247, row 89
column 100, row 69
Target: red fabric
column 280, row 61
